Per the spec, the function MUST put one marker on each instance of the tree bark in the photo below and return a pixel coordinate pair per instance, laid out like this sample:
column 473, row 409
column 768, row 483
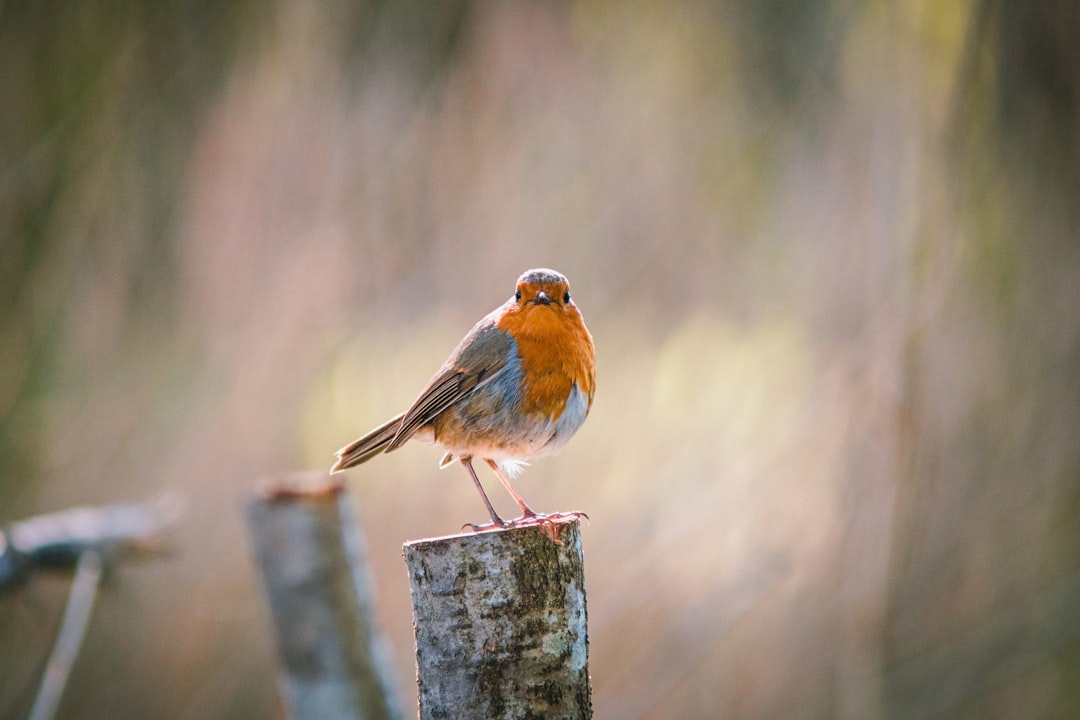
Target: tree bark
column 500, row 624
column 311, row 552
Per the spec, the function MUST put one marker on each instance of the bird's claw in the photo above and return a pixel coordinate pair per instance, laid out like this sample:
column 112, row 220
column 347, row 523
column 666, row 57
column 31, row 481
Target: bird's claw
column 534, row 518
column 547, row 522
column 485, row 527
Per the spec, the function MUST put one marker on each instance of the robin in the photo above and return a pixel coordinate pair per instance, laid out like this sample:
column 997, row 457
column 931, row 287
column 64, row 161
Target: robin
column 517, row 387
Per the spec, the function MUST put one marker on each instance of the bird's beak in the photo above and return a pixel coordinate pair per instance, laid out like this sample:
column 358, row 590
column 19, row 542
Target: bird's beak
column 542, row 298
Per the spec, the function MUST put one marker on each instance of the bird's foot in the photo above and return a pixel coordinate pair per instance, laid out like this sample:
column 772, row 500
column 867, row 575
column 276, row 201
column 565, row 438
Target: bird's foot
column 548, row 523
column 531, row 519
column 486, row 527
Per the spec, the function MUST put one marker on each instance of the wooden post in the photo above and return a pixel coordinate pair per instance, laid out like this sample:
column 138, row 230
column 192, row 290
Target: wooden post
column 311, row 552
column 500, row 624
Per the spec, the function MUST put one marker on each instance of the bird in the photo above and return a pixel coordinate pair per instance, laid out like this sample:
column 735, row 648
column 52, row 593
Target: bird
column 517, row 387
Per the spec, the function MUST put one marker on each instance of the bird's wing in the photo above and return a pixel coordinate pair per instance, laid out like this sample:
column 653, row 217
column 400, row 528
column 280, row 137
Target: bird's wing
column 478, row 359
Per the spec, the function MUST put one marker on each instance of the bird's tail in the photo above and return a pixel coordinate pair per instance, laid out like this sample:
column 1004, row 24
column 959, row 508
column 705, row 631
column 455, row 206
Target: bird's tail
column 367, row 447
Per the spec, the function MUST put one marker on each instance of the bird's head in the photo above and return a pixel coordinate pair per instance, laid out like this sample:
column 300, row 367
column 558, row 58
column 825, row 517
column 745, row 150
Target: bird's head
column 542, row 287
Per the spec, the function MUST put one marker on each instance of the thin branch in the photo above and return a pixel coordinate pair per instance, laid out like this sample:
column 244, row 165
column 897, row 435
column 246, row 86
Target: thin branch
column 80, row 605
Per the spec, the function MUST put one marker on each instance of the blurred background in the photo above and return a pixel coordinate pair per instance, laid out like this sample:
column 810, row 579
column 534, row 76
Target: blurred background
column 828, row 252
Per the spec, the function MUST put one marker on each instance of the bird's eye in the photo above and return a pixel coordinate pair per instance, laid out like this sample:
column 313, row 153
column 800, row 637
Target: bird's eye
column 566, row 297
column 517, row 296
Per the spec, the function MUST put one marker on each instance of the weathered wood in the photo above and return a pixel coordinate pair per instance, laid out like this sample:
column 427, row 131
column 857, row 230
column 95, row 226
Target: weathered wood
column 62, row 539
column 500, row 624
column 311, row 552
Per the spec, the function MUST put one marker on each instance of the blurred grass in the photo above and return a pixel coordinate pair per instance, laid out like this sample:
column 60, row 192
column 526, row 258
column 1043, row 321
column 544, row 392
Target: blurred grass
column 827, row 251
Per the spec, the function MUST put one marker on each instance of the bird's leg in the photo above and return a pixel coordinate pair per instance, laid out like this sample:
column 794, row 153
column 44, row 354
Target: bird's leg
column 529, row 517
column 526, row 511
column 496, row 521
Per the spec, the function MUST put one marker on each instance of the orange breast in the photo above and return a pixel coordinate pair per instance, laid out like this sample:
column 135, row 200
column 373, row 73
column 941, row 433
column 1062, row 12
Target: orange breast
column 556, row 352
